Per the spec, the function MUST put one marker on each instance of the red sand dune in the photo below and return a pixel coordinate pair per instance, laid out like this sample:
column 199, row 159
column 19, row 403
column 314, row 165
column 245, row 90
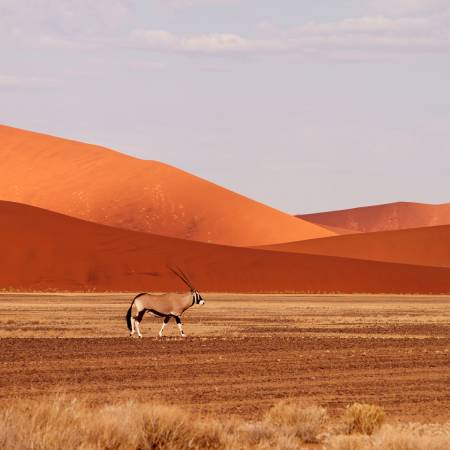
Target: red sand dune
column 391, row 216
column 428, row 246
column 107, row 187
column 44, row 250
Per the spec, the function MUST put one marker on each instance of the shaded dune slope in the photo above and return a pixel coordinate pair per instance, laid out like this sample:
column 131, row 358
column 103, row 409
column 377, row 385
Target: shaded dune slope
column 44, row 250
column 428, row 246
column 103, row 186
column 391, row 216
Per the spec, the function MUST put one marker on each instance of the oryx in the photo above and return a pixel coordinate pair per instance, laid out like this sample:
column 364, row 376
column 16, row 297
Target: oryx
column 162, row 305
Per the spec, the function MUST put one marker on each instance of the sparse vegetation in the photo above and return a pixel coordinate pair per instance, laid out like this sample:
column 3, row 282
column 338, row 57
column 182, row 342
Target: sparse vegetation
column 396, row 437
column 363, row 418
column 303, row 421
column 70, row 423
column 352, row 442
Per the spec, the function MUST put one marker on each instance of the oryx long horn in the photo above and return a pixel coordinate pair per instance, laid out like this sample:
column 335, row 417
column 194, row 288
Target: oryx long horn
column 186, row 278
column 181, row 277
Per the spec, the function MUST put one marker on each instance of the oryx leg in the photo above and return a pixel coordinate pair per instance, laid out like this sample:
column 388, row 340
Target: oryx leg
column 180, row 326
column 138, row 329
column 132, row 326
column 137, row 322
column 166, row 321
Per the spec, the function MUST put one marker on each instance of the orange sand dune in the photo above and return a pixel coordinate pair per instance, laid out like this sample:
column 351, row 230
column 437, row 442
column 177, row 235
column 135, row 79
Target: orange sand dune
column 44, row 250
column 392, row 216
column 428, row 246
column 338, row 230
column 107, row 187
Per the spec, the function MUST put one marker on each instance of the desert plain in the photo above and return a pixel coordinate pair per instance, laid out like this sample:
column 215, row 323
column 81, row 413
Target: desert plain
column 242, row 353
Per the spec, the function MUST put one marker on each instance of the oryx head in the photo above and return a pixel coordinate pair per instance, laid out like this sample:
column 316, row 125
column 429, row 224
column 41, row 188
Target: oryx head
column 196, row 297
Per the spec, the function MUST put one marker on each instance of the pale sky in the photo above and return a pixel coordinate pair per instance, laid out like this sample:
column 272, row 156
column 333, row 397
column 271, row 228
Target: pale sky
column 303, row 105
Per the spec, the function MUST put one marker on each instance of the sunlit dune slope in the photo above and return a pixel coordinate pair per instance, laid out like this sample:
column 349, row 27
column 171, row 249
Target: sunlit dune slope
column 428, row 246
column 339, row 231
column 107, row 187
column 391, row 216
column 45, row 250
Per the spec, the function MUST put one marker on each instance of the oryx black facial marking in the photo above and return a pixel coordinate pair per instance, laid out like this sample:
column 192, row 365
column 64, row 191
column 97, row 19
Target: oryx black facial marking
column 197, row 298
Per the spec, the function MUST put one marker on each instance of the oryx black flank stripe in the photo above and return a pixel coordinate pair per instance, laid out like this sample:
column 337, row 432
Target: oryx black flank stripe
column 156, row 313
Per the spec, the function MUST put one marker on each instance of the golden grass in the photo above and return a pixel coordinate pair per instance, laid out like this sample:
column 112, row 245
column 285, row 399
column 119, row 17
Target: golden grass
column 353, row 442
column 70, row 423
column 397, row 437
column 363, row 418
column 303, row 421
column 413, row 437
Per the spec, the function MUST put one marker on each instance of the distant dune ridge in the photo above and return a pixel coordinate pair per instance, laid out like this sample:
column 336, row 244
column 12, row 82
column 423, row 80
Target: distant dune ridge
column 428, row 246
column 103, row 186
column 45, row 250
column 390, row 216
column 76, row 216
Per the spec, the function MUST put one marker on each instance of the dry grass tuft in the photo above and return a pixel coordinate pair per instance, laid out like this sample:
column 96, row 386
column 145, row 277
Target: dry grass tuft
column 257, row 433
column 398, row 437
column 64, row 423
column 304, row 422
column 363, row 418
column 352, row 442
column 265, row 436
column 413, row 437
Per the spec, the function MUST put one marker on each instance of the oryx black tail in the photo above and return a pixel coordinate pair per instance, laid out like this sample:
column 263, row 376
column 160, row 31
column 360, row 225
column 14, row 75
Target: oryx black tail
column 128, row 317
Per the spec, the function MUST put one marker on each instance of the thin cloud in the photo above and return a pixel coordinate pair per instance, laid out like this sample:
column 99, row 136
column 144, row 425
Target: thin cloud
column 377, row 34
column 214, row 43
column 64, row 24
column 57, row 43
column 367, row 25
column 409, row 7
column 18, row 82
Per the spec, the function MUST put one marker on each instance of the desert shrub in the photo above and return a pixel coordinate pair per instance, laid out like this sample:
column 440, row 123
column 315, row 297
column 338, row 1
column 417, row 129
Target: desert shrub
column 363, row 418
column 265, row 436
column 72, row 424
column 303, row 421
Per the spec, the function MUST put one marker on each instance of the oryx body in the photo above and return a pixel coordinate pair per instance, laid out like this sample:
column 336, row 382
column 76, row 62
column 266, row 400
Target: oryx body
column 165, row 306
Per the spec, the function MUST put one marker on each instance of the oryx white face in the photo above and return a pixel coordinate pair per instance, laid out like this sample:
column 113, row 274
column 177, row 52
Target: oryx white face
column 198, row 299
